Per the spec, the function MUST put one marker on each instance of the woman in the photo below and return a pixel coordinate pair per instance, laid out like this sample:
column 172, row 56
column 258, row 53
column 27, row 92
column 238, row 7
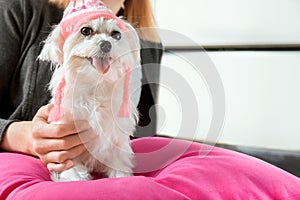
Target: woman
column 24, row 80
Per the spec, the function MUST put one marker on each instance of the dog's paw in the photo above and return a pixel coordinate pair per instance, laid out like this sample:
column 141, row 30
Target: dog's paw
column 118, row 174
column 72, row 174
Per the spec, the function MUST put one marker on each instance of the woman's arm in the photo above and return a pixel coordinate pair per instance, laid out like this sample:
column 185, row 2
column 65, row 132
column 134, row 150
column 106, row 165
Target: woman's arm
column 10, row 45
column 55, row 144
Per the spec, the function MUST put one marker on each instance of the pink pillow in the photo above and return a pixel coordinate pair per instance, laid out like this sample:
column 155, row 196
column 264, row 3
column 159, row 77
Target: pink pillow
column 165, row 169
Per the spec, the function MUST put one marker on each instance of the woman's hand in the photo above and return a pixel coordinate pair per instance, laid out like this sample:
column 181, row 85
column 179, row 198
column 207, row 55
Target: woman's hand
column 55, row 144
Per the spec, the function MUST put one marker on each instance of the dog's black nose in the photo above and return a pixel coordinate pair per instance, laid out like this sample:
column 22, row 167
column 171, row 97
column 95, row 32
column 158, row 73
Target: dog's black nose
column 105, row 46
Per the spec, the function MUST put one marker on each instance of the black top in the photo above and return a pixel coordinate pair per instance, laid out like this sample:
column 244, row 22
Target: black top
column 25, row 24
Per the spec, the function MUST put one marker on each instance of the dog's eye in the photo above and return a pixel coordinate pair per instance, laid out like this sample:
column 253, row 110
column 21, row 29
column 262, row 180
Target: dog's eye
column 86, row 31
column 116, row 35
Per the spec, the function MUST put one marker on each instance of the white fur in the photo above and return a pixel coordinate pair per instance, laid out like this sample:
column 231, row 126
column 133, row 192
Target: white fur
column 91, row 96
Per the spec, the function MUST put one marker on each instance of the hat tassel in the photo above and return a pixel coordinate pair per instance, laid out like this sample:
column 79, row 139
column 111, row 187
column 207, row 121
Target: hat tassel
column 125, row 107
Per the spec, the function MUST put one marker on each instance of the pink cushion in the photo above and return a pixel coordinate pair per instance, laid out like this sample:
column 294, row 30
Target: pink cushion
column 165, row 169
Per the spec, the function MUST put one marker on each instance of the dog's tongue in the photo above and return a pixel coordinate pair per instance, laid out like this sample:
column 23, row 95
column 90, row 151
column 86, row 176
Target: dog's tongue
column 101, row 64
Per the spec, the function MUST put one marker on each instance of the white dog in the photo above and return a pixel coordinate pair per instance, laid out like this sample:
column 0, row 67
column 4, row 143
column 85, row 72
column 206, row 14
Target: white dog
column 97, row 68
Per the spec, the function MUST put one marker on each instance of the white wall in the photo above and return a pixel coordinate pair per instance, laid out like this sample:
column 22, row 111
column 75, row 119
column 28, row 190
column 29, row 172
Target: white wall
column 262, row 92
column 211, row 22
column 262, row 88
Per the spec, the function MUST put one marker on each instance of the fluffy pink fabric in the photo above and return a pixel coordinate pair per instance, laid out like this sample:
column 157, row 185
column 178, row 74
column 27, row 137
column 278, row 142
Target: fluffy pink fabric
column 166, row 169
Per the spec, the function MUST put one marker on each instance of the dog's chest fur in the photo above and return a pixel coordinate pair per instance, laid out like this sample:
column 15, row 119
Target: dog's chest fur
column 86, row 92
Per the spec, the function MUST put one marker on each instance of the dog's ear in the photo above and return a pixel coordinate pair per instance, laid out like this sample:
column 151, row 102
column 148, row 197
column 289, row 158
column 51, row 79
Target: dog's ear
column 53, row 47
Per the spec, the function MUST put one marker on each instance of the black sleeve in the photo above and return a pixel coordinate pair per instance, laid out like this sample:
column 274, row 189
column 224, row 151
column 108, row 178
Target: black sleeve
column 151, row 54
column 10, row 45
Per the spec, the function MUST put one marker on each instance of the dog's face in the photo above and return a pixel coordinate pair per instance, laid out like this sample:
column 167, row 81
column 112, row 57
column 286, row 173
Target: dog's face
column 99, row 42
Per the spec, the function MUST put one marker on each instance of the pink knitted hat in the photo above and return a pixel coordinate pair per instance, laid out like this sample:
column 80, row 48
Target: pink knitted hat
column 79, row 12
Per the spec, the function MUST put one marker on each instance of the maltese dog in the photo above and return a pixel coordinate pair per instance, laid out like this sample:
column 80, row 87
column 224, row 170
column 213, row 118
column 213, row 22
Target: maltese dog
column 97, row 68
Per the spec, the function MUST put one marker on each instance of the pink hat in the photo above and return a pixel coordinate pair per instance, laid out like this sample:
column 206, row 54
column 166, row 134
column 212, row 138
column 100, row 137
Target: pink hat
column 79, row 12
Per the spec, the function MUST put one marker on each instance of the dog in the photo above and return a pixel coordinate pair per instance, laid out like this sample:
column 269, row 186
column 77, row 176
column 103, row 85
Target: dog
column 97, row 67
